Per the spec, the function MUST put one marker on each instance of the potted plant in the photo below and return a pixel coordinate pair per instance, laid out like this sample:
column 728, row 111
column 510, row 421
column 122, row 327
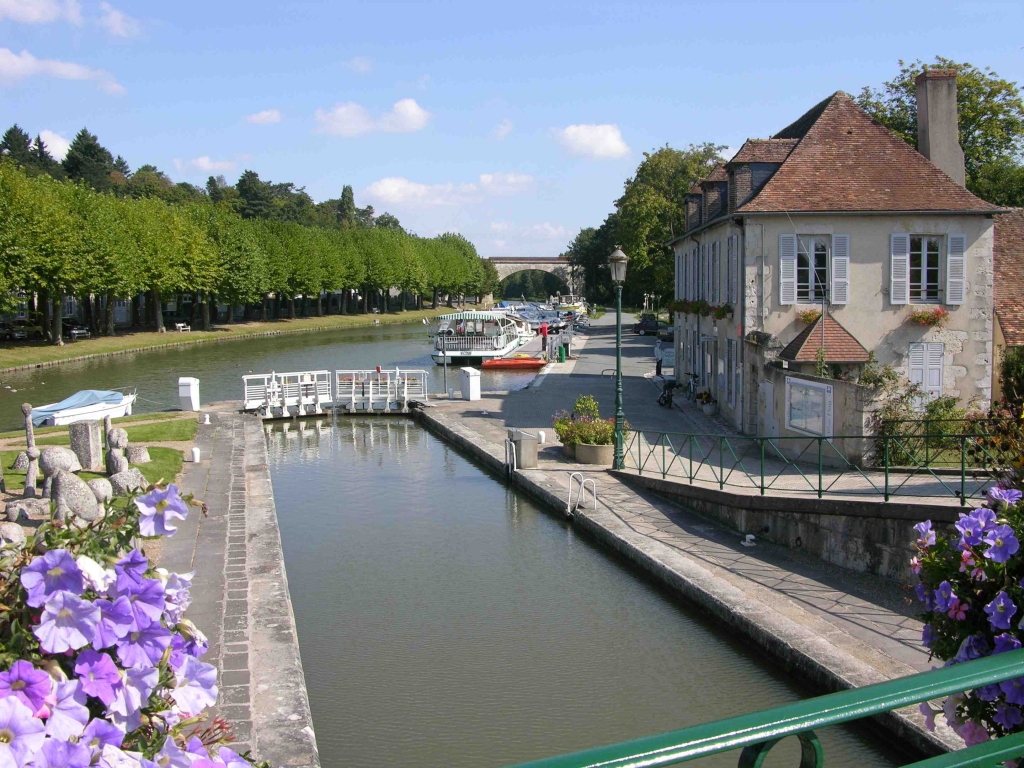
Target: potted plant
column 721, row 311
column 808, row 315
column 706, row 403
column 584, row 435
column 565, row 428
column 935, row 318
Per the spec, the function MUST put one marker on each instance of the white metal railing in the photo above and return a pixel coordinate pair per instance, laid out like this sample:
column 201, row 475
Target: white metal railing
column 469, row 343
column 297, row 393
column 581, row 497
column 307, row 393
column 379, row 390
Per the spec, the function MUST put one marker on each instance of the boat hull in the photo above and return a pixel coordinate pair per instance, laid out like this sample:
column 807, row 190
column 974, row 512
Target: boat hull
column 514, row 364
column 95, row 412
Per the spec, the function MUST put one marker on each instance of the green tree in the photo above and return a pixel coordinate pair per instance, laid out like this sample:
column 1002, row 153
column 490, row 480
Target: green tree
column 43, row 161
column 387, row 221
column 89, row 161
column 16, row 146
column 1001, row 182
column 347, row 207
column 990, row 111
column 257, row 197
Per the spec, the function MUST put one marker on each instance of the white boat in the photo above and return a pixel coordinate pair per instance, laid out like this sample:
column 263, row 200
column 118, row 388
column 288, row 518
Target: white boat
column 86, row 405
column 465, row 336
column 571, row 303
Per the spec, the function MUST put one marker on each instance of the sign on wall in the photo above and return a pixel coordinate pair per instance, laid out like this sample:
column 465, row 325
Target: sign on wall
column 809, row 407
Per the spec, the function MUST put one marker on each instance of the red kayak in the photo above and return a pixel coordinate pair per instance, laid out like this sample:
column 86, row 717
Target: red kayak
column 514, row 363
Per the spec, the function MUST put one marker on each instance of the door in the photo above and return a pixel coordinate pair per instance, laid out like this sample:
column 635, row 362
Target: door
column 766, row 406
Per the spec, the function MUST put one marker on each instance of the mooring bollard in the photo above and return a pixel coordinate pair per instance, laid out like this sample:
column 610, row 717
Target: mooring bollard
column 195, row 454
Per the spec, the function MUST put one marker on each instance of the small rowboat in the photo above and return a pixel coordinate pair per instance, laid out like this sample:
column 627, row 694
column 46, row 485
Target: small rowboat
column 514, row 364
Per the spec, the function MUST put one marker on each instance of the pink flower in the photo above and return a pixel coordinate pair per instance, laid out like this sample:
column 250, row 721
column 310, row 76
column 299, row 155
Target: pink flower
column 929, row 715
column 958, row 609
column 915, row 565
column 972, row 732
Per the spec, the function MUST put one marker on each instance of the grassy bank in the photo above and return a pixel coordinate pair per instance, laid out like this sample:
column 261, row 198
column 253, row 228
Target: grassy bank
column 165, row 464
column 18, row 355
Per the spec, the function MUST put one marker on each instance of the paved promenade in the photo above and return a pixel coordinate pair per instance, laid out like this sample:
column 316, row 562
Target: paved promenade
column 836, row 627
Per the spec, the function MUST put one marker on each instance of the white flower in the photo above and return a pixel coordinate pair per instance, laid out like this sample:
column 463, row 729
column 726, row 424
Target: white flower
column 97, row 578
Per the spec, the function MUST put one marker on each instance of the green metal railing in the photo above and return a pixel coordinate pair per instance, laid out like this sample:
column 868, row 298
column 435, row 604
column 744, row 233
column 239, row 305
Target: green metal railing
column 934, row 442
column 757, row 733
column 851, row 465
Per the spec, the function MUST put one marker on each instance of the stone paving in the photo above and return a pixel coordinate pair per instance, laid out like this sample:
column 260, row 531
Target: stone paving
column 240, row 597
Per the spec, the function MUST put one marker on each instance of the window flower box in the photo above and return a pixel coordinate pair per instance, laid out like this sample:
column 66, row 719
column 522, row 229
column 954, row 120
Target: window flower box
column 808, row 316
column 935, row 318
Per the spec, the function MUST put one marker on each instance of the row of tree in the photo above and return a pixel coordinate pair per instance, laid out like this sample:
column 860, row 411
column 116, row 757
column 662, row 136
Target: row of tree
column 63, row 238
column 650, row 212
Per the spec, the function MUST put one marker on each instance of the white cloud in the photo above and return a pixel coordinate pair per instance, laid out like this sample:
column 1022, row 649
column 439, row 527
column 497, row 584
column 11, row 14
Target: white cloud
column 504, row 128
column 359, row 64
column 56, row 144
column 396, row 190
column 118, row 23
column 204, row 164
column 505, row 183
column 499, row 226
column 499, row 243
column 351, row 119
column 15, row 67
column 264, row 117
column 544, row 231
column 41, row 11
column 601, row 141
column 728, row 153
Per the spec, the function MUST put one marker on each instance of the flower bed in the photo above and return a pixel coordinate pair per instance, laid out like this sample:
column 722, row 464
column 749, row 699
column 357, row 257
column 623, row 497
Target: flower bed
column 100, row 666
column 929, row 317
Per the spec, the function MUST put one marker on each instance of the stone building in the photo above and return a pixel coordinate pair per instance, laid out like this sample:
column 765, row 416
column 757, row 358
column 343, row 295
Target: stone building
column 836, row 214
column 1008, row 295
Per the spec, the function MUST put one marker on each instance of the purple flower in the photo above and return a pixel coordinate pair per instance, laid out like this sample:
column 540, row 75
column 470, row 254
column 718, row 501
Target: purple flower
column 1000, row 611
column 21, row 735
column 62, row 754
column 972, row 733
column 56, row 571
column 143, row 647
column 986, row 517
column 1014, row 690
column 1008, row 496
column 1008, row 717
column 925, row 596
column 99, row 733
column 231, row 759
column 196, row 643
column 176, row 594
column 112, row 757
column 130, row 570
column 973, row 647
column 177, row 657
column 197, row 686
column 944, row 596
column 971, row 530
column 97, row 675
column 1005, row 642
column 115, row 622
column 67, row 623
column 927, row 636
column 29, row 685
column 159, row 508
column 136, row 685
column 929, row 715
column 70, row 714
column 926, row 536
column 1002, row 544
column 988, row 692
column 146, row 603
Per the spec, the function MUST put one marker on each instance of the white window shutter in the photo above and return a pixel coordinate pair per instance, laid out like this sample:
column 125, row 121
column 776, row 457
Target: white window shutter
column 917, row 364
column 728, row 270
column 956, row 270
column 933, row 375
column 705, row 273
column 734, row 270
column 714, row 271
column 899, row 269
column 787, row 269
column 840, row 269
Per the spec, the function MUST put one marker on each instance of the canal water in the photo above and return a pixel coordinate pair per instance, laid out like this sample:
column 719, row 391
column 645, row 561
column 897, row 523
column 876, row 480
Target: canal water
column 220, row 367
column 444, row 620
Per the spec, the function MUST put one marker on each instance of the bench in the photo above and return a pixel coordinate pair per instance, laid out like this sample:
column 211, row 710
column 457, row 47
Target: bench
column 183, row 328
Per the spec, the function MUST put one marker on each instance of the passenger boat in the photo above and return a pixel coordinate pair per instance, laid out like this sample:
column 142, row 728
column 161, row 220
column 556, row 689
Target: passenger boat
column 474, row 335
column 571, row 303
column 514, row 364
column 86, row 405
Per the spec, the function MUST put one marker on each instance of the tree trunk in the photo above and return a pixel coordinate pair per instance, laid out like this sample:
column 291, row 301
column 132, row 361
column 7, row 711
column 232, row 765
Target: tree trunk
column 386, row 295
column 56, row 335
column 136, row 310
column 86, row 302
column 263, row 309
column 419, row 301
column 215, row 312
column 205, row 307
column 109, row 317
column 434, row 305
column 158, row 310
column 320, row 304
column 450, row 305
column 44, row 301
column 344, row 301
column 97, row 314
column 291, row 308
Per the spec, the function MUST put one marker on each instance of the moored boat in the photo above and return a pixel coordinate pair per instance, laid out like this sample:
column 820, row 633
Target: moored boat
column 86, row 405
column 474, row 335
column 514, row 364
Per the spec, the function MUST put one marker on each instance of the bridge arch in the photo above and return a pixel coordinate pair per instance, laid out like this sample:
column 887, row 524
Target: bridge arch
column 507, row 266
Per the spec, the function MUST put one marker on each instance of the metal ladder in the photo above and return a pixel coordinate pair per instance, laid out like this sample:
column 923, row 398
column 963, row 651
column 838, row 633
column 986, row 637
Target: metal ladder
column 570, row 509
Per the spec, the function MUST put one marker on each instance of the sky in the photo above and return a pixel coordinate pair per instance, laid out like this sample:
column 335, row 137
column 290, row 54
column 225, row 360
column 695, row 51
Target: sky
column 515, row 124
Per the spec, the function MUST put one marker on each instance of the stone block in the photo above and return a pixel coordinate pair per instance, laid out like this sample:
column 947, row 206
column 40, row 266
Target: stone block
column 12, row 533
column 20, row 462
column 117, row 438
column 137, row 454
column 72, row 495
column 116, row 462
column 27, row 509
column 87, row 443
column 56, row 458
column 101, row 489
column 127, row 481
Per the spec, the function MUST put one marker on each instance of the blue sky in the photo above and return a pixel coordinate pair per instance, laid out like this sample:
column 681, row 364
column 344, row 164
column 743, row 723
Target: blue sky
column 513, row 123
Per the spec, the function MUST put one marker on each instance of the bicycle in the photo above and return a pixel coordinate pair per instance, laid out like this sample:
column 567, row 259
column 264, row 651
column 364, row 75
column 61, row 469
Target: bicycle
column 691, row 386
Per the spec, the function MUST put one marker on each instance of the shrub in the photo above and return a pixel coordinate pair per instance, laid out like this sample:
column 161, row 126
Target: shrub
column 586, row 407
column 565, row 428
column 1011, row 373
column 585, row 424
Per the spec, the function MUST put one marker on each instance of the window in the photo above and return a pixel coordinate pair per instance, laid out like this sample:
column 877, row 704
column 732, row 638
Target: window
column 811, row 269
column 730, row 370
column 809, row 407
column 924, row 269
column 715, row 270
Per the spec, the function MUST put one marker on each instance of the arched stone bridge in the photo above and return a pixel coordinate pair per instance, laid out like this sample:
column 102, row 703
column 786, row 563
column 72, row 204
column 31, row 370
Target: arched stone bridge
column 509, row 265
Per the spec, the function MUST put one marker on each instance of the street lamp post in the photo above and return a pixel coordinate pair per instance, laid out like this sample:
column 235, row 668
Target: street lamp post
column 617, row 264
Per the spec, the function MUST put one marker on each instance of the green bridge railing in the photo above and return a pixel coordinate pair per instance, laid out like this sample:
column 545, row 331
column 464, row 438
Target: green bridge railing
column 755, row 734
column 849, row 465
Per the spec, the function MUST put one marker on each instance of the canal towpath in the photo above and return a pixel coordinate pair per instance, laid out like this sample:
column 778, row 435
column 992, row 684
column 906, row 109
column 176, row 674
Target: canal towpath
column 835, row 627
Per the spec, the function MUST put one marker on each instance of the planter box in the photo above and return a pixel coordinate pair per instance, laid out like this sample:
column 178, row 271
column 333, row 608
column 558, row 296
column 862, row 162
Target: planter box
column 569, row 451
column 708, row 408
column 595, row 454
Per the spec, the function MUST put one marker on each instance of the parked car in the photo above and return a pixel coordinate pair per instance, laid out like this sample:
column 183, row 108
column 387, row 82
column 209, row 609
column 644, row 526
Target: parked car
column 649, row 326
column 74, row 330
column 32, row 326
column 669, row 334
column 9, row 332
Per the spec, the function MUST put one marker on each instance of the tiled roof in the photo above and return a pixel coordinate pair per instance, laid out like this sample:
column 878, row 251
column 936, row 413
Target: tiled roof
column 840, row 346
column 846, row 161
column 1008, row 250
column 764, row 151
column 717, row 174
column 695, row 189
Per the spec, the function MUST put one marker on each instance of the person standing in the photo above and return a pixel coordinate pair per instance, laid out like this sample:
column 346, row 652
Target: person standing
column 544, row 337
column 659, row 355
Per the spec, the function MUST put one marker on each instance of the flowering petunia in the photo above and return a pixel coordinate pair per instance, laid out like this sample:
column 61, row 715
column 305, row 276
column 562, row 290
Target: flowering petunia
column 231, row 759
column 97, row 578
column 115, row 622
column 130, row 570
column 70, row 713
column 1008, row 496
column 972, row 732
column 143, row 647
column 915, row 565
column 988, row 692
column 68, row 623
column 973, row 647
column 173, row 756
column 1005, row 642
column 136, row 685
column 927, row 636
column 971, row 530
column 929, row 715
column 949, row 707
column 926, row 536
column 1008, row 717
column 944, row 596
column 196, row 687
column 30, row 685
column 986, row 517
column 56, row 571
column 925, row 596
column 99, row 733
column 21, row 735
column 1014, row 690
column 196, row 643
column 1002, row 544
column 176, row 596
column 97, row 675
column 146, row 603
column 112, row 757
column 1000, row 611
column 159, row 508
column 57, row 753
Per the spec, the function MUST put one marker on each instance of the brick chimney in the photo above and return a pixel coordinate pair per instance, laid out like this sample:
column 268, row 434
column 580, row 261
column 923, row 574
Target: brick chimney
column 938, row 138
